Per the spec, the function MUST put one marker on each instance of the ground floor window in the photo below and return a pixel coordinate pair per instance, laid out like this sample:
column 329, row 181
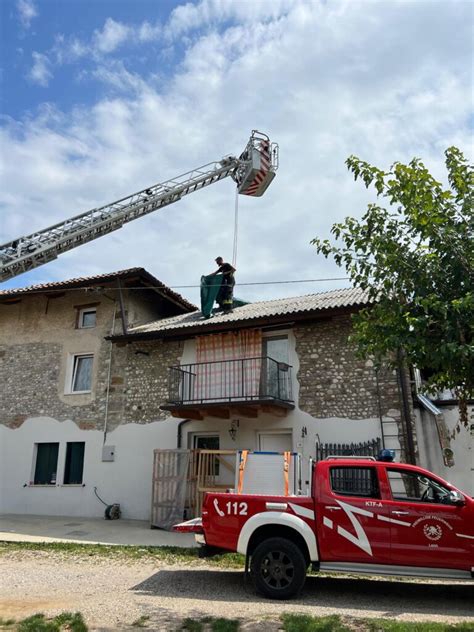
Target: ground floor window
column 208, row 442
column 74, row 466
column 46, row 463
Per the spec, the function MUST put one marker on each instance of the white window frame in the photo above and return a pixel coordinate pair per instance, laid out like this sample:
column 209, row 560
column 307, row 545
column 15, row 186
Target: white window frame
column 194, row 436
column 86, row 310
column 71, row 373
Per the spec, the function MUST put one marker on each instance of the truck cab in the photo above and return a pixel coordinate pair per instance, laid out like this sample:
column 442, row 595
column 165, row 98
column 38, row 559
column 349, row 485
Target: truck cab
column 362, row 515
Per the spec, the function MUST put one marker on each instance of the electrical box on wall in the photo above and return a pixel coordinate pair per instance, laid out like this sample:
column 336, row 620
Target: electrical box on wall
column 108, row 453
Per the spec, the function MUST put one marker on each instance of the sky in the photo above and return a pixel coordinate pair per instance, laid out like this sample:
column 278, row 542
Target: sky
column 102, row 98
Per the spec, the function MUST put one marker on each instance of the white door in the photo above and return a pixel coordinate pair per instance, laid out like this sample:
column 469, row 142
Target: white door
column 275, row 442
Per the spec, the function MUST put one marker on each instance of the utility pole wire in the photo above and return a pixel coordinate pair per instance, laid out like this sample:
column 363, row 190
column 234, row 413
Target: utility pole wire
column 45, row 288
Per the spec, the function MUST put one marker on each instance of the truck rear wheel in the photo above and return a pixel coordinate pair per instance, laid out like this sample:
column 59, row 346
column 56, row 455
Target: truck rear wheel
column 278, row 568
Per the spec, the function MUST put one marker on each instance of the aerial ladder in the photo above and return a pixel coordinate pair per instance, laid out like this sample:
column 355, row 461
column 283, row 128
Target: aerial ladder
column 253, row 171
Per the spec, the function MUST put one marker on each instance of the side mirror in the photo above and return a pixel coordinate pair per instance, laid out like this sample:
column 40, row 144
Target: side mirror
column 455, row 498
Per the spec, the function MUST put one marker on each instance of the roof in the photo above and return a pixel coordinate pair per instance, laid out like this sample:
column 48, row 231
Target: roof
column 83, row 282
column 279, row 310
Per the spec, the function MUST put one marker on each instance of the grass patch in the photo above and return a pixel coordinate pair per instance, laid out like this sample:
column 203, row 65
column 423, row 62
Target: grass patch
column 306, row 623
column 213, row 624
column 334, row 623
column 166, row 554
column 72, row 622
column 192, row 625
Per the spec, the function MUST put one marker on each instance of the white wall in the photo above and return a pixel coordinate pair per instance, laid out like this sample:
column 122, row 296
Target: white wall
column 127, row 480
column 461, row 474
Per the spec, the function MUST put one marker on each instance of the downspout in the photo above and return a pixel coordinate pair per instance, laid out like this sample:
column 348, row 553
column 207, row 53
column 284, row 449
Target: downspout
column 443, row 434
column 411, row 455
column 108, row 375
column 179, row 438
column 122, row 308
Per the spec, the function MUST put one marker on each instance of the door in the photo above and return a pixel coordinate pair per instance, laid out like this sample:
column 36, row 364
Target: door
column 351, row 516
column 424, row 530
column 275, row 442
column 275, row 372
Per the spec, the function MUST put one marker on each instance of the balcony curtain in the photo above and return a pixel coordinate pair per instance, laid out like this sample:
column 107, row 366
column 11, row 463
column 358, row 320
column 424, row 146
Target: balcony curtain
column 232, row 366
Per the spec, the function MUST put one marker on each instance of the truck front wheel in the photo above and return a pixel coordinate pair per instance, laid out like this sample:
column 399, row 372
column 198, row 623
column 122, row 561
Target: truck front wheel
column 278, row 568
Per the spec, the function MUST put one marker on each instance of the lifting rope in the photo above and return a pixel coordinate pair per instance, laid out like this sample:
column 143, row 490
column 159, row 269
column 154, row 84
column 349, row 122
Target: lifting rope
column 236, row 228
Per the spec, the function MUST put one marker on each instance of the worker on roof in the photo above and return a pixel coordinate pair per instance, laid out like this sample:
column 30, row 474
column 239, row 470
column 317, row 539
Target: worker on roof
column 225, row 296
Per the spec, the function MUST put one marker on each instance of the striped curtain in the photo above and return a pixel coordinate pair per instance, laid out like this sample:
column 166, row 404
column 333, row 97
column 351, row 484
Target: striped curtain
column 232, row 365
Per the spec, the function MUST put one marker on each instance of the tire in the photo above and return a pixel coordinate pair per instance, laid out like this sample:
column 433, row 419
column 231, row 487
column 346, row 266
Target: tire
column 278, row 568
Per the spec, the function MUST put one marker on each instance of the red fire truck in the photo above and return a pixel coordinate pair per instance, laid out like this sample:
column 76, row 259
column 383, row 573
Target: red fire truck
column 361, row 515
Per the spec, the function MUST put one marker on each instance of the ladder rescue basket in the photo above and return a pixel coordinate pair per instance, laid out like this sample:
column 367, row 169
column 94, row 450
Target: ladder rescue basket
column 259, row 163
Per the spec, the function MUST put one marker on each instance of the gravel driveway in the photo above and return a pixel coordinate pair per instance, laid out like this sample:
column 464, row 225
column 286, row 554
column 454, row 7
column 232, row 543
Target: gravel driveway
column 112, row 594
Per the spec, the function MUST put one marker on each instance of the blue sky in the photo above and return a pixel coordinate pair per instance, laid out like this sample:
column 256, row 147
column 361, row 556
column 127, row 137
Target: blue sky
column 103, row 98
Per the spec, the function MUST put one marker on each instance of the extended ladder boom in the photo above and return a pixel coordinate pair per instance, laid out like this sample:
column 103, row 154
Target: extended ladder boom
column 252, row 172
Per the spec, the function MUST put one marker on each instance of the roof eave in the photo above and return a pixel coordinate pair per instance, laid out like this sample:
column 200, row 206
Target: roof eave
column 208, row 327
column 140, row 273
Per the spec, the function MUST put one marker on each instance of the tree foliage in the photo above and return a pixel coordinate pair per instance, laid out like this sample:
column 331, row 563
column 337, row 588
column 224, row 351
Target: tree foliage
column 415, row 259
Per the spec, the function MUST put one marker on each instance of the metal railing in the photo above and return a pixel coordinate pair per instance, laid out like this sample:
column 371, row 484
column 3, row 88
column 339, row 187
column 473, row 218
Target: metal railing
column 247, row 379
column 366, row 448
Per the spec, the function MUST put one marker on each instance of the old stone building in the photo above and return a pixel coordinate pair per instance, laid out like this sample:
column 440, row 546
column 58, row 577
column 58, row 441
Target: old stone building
column 56, row 389
column 99, row 372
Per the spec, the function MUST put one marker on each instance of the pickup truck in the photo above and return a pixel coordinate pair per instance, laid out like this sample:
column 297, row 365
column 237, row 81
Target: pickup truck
column 361, row 516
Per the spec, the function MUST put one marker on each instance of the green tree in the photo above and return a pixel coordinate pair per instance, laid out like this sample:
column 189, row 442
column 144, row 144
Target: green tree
column 415, row 259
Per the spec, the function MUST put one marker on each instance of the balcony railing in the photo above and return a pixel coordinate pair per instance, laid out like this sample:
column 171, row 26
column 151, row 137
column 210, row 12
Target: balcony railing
column 245, row 380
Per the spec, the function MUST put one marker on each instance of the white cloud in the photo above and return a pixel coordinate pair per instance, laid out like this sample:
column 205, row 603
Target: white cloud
column 27, row 11
column 325, row 80
column 40, row 72
column 190, row 16
column 111, row 36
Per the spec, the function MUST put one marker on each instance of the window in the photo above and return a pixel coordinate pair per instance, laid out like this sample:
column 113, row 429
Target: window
column 81, row 380
column 355, row 481
column 74, row 466
column 208, row 442
column 46, row 463
column 87, row 318
column 415, row 487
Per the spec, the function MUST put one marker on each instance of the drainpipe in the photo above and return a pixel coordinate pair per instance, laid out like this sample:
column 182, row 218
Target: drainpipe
column 108, row 376
column 411, row 456
column 179, row 438
column 122, row 308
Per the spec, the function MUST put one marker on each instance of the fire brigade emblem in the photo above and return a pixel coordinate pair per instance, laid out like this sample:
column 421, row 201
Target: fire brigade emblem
column 433, row 532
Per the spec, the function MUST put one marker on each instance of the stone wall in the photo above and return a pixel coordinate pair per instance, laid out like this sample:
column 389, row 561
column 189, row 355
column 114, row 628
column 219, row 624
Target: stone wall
column 333, row 381
column 38, row 336
column 32, row 386
column 139, row 381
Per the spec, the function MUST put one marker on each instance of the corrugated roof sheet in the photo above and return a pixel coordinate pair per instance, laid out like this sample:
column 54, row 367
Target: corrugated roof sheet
column 80, row 282
column 311, row 303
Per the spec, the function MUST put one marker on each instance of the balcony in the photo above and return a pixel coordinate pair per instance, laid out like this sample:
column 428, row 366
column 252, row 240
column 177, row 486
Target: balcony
column 245, row 387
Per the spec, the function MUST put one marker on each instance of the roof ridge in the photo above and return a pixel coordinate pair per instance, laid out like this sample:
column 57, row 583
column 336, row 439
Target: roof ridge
column 290, row 298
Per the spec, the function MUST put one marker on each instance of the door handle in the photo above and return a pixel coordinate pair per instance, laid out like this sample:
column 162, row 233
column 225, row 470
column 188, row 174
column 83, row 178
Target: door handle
column 333, row 508
column 401, row 513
